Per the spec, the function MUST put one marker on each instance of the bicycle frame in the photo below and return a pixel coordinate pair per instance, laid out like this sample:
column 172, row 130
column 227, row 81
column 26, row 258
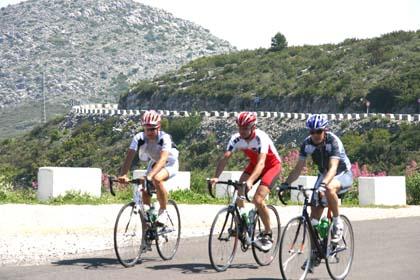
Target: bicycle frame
column 138, row 186
column 233, row 208
column 320, row 244
column 320, row 248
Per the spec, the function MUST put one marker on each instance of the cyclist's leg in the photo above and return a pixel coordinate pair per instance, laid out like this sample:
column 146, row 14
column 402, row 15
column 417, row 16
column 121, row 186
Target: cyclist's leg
column 317, row 204
column 259, row 203
column 268, row 177
column 339, row 184
column 161, row 193
column 244, row 176
column 331, row 192
column 170, row 170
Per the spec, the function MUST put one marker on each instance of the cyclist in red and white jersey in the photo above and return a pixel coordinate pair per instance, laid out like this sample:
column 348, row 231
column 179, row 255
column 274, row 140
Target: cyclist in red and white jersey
column 264, row 164
column 156, row 146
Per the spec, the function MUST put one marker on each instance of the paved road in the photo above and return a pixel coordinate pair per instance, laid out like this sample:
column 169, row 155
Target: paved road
column 385, row 249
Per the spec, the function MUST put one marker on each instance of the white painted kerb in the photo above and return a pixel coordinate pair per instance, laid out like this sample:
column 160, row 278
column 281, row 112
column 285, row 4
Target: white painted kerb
column 56, row 181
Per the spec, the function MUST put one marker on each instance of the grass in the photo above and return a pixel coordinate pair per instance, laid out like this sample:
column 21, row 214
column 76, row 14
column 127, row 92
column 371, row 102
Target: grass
column 28, row 196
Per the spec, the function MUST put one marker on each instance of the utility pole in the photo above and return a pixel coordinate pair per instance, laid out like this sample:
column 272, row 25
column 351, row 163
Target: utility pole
column 44, row 114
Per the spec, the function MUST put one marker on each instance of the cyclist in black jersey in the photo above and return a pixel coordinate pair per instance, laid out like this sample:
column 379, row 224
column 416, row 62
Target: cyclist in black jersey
column 335, row 176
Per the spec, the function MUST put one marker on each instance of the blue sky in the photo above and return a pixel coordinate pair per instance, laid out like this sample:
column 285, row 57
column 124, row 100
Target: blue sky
column 251, row 24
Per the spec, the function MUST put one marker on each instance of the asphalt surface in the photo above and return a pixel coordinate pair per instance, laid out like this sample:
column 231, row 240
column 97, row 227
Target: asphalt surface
column 385, row 249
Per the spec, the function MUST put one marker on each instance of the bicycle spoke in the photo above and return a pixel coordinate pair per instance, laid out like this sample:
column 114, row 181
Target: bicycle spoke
column 169, row 235
column 223, row 240
column 340, row 255
column 295, row 250
column 266, row 257
column 128, row 234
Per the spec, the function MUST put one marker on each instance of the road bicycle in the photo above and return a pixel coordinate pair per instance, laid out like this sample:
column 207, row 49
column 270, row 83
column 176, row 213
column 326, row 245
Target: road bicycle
column 228, row 227
column 302, row 246
column 135, row 228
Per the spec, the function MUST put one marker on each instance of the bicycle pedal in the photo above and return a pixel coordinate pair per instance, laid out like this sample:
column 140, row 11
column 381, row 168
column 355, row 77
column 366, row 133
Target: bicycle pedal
column 146, row 249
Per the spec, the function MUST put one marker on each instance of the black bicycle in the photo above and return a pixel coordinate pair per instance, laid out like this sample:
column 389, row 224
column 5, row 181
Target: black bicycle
column 302, row 246
column 228, row 227
column 135, row 228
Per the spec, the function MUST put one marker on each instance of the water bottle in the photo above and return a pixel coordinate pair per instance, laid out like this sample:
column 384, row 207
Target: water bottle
column 251, row 217
column 153, row 213
column 244, row 216
column 323, row 227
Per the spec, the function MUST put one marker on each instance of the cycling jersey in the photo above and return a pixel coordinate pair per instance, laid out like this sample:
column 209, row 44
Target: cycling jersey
column 260, row 144
column 151, row 150
column 330, row 149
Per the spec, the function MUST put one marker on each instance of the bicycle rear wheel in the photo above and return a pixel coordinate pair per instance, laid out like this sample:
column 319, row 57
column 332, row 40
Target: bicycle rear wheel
column 169, row 235
column 339, row 256
column 128, row 235
column 295, row 249
column 223, row 239
column 261, row 257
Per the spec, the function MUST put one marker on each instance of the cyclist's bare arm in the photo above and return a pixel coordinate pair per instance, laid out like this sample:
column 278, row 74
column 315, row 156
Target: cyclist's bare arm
column 259, row 167
column 295, row 173
column 159, row 164
column 221, row 166
column 126, row 166
column 332, row 170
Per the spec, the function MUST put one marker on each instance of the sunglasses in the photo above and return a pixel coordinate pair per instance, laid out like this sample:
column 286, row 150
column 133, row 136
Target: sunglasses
column 150, row 128
column 316, row 131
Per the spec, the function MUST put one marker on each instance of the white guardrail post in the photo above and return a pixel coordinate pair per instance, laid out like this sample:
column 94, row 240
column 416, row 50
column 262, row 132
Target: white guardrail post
column 181, row 181
column 56, row 181
column 112, row 109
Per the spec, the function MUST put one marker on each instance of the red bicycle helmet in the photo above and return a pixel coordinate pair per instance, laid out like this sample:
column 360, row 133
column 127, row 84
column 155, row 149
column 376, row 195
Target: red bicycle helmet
column 151, row 118
column 246, row 119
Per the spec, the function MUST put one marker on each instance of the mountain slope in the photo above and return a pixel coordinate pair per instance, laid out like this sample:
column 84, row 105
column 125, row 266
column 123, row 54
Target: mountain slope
column 91, row 49
column 326, row 78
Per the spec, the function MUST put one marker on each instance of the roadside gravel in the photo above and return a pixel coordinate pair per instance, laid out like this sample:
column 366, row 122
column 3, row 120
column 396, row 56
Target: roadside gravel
column 37, row 234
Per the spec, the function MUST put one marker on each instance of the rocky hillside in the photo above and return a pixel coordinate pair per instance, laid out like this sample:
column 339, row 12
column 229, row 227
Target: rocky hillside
column 86, row 46
column 330, row 78
column 91, row 49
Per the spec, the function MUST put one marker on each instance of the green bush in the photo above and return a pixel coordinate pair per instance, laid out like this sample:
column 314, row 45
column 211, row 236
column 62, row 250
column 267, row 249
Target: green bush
column 413, row 189
column 179, row 128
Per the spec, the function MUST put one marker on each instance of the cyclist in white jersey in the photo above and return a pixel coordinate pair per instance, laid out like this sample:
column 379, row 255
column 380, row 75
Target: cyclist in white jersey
column 156, row 146
column 264, row 164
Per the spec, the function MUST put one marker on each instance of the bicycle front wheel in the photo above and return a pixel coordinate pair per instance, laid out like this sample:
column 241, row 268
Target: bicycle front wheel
column 128, row 235
column 169, row 235
column 295, row 249
column 339, row 256
column 266, row 257
column 223, row 239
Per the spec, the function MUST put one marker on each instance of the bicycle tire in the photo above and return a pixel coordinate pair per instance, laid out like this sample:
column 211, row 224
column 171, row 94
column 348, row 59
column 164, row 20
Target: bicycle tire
column 224, row 231
column 295, row 249
column 266, row 258
column 168, row 237
column 129, row 233
column 343, row 250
